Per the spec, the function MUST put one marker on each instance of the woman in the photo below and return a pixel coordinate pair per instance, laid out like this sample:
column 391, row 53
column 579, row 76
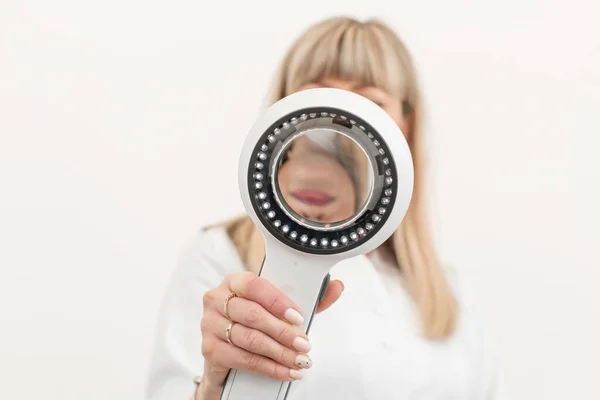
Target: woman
column 405, row 327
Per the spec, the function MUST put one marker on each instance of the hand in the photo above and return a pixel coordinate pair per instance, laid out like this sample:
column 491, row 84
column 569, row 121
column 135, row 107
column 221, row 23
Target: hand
column 266, row 334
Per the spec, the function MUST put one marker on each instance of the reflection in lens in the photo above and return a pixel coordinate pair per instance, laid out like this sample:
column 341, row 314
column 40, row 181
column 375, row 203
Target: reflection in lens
column 324, row 177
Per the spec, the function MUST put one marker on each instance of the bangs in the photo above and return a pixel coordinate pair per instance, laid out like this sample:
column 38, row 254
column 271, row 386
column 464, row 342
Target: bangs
column 350, row 51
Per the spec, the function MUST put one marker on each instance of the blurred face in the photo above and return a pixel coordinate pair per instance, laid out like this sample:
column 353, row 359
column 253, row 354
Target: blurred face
column 313, row 180
column 315, row 184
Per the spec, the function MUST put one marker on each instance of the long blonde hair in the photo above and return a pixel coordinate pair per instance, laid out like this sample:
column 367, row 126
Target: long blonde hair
column 371, row 53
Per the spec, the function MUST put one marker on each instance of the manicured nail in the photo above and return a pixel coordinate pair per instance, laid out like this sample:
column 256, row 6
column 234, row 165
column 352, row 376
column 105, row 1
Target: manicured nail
column 301, row 345
column 295, row 374
column 303, row 361
column 294, row 317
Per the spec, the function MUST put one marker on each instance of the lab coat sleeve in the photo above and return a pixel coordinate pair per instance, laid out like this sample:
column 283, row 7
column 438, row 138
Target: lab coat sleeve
column 176, row 358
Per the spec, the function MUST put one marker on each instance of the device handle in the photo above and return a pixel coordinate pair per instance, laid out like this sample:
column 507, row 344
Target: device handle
column 302, row 278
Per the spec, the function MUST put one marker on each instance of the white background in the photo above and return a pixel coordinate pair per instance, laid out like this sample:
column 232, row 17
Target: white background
column 121, row 123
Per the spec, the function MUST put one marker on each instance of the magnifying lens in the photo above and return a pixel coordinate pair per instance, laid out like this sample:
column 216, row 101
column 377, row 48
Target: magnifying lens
column 325, row 174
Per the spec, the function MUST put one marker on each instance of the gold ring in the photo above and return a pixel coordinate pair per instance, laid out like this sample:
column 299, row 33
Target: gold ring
column 231, row 296
column 228, row 333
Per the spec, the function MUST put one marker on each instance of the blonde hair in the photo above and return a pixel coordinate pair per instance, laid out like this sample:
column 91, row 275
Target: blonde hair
column 371, row 53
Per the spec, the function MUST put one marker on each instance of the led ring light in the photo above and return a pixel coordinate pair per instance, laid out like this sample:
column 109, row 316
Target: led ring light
column 299, row 252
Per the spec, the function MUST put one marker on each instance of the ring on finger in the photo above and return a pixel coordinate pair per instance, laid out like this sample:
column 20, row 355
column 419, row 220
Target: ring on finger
column 231, row 296
column 228, row 333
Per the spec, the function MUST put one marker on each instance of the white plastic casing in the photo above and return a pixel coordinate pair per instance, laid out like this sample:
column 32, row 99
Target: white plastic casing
column 298, row 274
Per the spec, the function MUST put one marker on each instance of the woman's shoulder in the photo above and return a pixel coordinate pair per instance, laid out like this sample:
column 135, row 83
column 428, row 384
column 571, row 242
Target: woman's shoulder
column 475, row 331
column 212, row 242
column 464, row 288
column 207, row 256
column 460, row 281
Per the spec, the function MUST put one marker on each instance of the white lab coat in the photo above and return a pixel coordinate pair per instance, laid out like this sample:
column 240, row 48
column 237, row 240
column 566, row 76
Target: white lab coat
column 366, row 346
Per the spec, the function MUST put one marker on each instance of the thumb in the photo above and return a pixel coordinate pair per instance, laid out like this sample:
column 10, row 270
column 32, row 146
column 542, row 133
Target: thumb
column 334, row 291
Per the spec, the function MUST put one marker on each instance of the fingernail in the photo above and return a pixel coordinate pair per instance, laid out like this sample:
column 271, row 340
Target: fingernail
column 303, row 361
column 295, row 374
column 294, row 317
column 301, row 345
column 343, row 287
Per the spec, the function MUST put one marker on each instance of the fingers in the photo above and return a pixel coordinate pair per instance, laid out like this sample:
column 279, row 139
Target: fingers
column 259, row 290
column 253, row 315
column 334, row 291
column 257, row 342
column 223, row 353
column 266, row 336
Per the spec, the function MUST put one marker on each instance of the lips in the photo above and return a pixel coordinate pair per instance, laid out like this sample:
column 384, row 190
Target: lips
column 313, row 197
